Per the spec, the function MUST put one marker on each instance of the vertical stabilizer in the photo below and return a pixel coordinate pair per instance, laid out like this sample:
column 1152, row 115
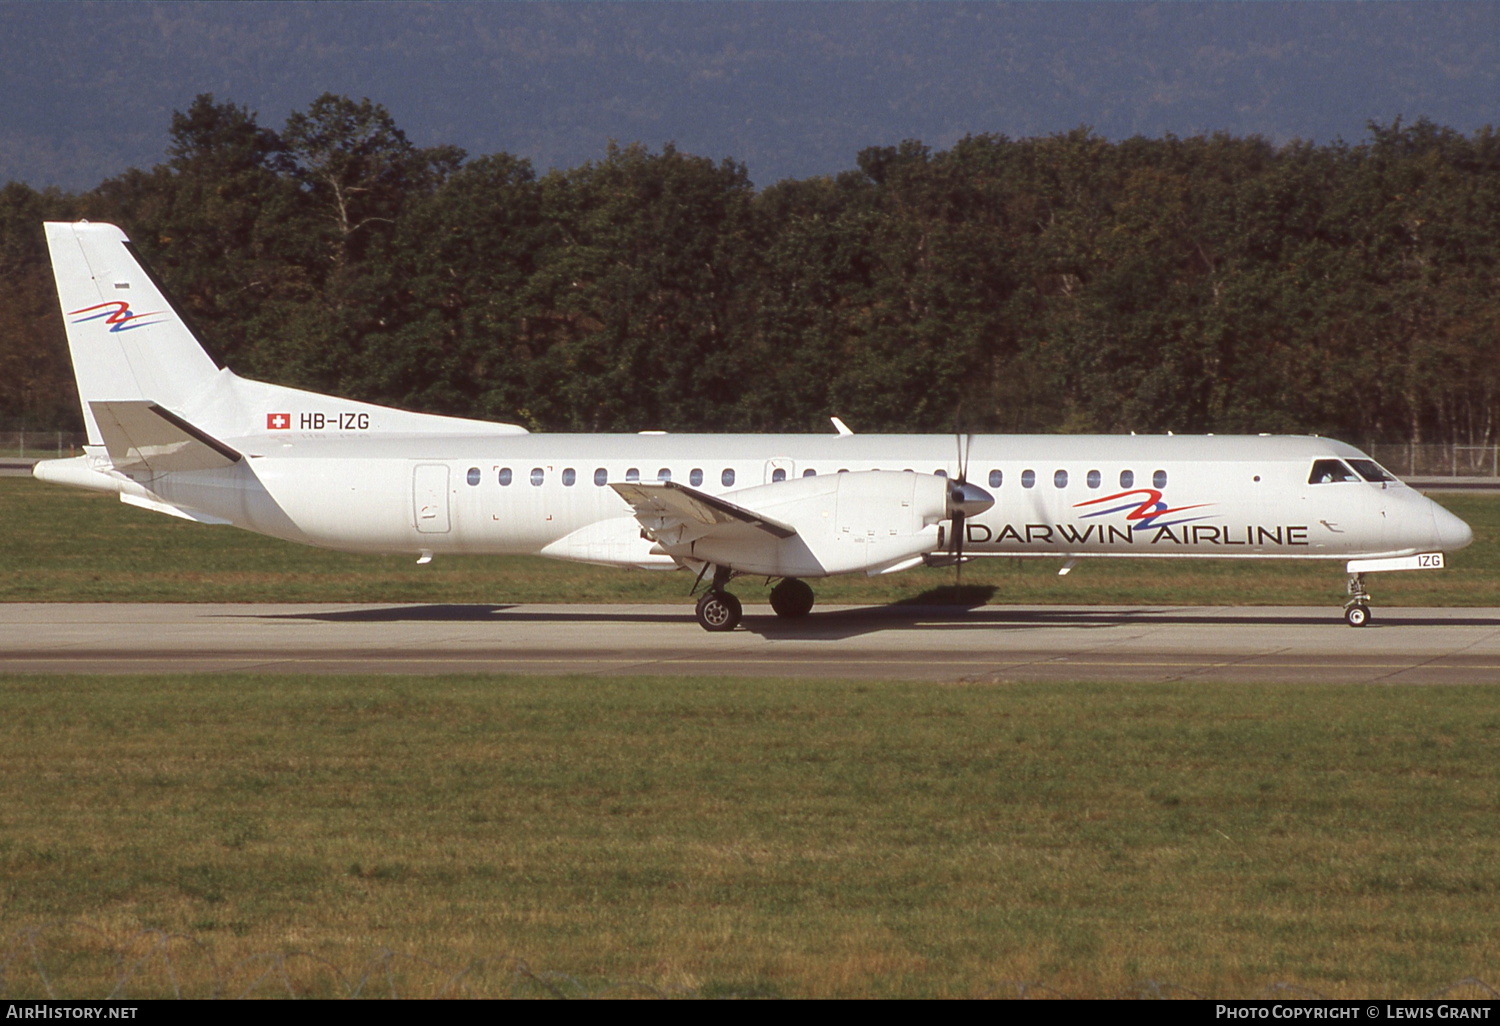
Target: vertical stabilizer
column 126, row 341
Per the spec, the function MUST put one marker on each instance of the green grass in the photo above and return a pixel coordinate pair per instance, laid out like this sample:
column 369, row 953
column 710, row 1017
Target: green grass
column 63, row 545
column 752, row 837
column 728, row 837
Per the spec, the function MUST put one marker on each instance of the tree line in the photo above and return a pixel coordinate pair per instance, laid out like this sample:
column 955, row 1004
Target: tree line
column 1066, row 283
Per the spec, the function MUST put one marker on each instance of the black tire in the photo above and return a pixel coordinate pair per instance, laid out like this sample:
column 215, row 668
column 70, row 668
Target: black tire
column 719, row 611
column 792, row 598
column 1357, row 615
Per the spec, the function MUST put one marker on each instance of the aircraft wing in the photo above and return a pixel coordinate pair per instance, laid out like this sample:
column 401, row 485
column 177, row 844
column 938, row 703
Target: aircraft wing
column 140, row 434
column 663, row 505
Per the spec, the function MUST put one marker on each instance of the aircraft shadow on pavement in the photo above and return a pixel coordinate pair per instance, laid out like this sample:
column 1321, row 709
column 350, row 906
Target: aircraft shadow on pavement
column 473, row 613
column 834, row 625
column 839, row 624
column 914, row 613
column 447, row 613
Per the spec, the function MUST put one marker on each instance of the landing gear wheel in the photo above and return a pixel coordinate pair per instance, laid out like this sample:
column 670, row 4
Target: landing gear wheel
column 792, row 598
column 1357, row 609
column 719, row 611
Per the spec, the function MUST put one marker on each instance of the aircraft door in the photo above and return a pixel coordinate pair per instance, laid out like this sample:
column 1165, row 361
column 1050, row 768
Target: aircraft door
column 429, row 496
column 780, row 469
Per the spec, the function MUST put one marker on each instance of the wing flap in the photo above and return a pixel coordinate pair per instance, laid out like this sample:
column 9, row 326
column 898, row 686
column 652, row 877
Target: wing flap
column 665, row 504
column 140, row 434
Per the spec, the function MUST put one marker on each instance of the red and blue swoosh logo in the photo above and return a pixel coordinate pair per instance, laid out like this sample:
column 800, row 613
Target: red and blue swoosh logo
column 1144, row 513
column 116, row 314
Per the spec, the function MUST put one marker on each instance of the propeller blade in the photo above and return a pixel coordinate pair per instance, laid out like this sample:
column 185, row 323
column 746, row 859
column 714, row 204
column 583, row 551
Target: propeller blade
column 965, row 442
column 958, row 549
column 964, row 500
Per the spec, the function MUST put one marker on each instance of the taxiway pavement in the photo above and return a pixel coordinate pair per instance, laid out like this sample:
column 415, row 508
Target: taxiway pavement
column 988, row 644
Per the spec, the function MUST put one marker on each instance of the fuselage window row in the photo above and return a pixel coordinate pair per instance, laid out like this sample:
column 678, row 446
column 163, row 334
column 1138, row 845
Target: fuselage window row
column 1324, row 470
column 1093, row 478
column 601, row 476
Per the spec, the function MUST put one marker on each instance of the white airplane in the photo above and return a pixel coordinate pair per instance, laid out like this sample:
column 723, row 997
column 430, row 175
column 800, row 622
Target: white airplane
column 171, row 431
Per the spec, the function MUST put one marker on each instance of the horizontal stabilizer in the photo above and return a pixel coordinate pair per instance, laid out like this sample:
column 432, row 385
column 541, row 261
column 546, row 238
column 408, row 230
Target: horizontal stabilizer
column 664, row 502
column 156, row 506
column 141, row 435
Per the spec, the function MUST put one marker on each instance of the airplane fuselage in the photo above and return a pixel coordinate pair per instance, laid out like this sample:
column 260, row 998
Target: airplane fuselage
column 1148, row 496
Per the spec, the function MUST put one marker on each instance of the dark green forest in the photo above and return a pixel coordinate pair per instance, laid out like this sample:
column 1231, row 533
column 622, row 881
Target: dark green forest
column 1065, row 283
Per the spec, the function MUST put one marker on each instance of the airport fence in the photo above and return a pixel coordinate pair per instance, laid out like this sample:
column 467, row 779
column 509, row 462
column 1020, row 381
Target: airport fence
column 1409, row 459
column 34, row 444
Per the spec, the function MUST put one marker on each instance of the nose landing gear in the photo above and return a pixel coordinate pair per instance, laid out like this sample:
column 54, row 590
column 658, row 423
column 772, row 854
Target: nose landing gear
column 1357, row 609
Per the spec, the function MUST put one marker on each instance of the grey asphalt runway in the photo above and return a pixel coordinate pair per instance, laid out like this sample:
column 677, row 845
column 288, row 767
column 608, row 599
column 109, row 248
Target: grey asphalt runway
column 988, row 644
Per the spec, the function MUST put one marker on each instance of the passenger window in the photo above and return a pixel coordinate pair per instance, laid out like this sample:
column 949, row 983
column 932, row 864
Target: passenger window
column 537, row 476
column 569, row 477
column 1330, row 472
column 472, row 476
column 1159, row 479
column 1127, row 479
column 633, row 474
column 940, row 473
column 727, row 478
column 664, row 474
column 996, row 478
column 695, row 476
column 505, row 475
column 809, row 472
column 1060, row 479
column 779, row 474
column 601, row 477
column 1094, row 479
column 1028, row 479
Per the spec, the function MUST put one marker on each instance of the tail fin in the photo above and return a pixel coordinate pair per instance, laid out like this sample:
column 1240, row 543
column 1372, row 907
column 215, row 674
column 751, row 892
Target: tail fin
column 126, row 340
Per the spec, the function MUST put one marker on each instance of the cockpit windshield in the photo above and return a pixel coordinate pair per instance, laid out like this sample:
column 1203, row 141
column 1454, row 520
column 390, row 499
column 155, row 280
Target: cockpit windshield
column 1331, row 472
column 1372, row 471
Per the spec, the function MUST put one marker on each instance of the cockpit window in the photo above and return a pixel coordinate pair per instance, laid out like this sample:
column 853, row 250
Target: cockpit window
column 1372, row 471
column 1330, row 472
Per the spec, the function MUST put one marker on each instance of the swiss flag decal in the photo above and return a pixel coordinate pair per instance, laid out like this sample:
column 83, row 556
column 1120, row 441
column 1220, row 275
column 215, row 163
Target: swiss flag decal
column 278, row 421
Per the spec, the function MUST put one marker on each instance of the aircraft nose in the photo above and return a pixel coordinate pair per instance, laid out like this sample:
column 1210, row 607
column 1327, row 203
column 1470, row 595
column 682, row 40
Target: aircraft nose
column 1452, row 533
column 968, row 499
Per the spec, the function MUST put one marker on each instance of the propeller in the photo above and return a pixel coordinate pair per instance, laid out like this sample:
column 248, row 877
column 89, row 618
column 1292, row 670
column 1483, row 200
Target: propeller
column 964, row 500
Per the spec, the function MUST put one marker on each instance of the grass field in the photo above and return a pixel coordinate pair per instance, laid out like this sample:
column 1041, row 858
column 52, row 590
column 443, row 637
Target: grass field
column 754, row 837
column 64, row 545
column 730, row 837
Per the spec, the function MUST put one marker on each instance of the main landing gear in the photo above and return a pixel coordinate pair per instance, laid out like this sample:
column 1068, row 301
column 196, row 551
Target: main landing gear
column 792, row 598
column 718, row 610
column 1357, row 609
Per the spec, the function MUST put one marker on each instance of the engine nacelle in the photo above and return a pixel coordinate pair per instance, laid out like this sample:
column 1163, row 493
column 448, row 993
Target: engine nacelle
column 844, row 523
